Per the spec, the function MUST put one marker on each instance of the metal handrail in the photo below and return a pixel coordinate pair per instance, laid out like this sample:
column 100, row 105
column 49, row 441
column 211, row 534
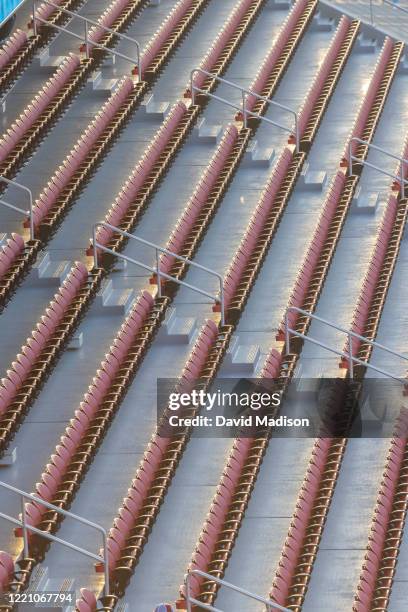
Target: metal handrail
column 26, row 527
column 270, row 605
column 350, row 334
column 158, row 249
column 403, row 162
column 390, row 3
column 85, row 37
column 17, row 208
column 243, row 108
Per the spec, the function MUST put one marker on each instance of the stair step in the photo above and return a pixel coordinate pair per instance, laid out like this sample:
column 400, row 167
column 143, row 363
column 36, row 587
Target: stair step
column 279, row 4
column 258, row 156
column 322, row 24
column 365, row 202
column 97, row 83
column 205, row 133
column 178, row 330
column 242, row 358
column 8, row 458
column 3, row 239
column 45, row 60
column 52, row 586
column 115, row 301
column 365, row 45
column 49, row 272
column 155, row 110
column 313, row 180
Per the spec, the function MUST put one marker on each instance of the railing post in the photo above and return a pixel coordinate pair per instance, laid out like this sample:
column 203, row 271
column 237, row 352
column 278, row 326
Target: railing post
column 159, row 288
column 297, row 135
column 350, row 345
column 95, row 250
column 106, row 586
column 244, row 113
column 222, row 302
column 188, row 592
column 24, row 526
column 192, row 86
column 86, row 40
column 287, row 337
column 34, row 20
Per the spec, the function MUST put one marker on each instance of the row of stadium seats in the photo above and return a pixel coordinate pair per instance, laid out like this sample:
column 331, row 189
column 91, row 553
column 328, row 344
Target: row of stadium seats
column 325, row 81
column 366, row 120
column 115, row 17
column 364, row 321
column 37, row 357
column 275, row 63
column 133, row 197
column 207, row 195
column 27, row 132
column 157, row 50
column 15, row 258
column 386, row 532
column 219, row 54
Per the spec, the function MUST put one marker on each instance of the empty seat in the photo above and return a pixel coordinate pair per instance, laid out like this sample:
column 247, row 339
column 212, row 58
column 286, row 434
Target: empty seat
column 87, row 602
column 9, row 253
column 6, row 570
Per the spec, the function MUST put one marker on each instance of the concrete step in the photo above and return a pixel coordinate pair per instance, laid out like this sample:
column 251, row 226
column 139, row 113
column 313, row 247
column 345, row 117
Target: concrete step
column 115, row 301
column 312, row 180
column 364, row 44
column 256, row 156
column 45, row 60
column 178, row 330
column 97, row 83
column 322, row 24
column 403, row 65
column 51, row 273
column 8, row 458
column 365, row 202
column 242, row 358
column 3, row 239
column 155, row 110
column 52, row 585
column 279, row 4
column 208, row 133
